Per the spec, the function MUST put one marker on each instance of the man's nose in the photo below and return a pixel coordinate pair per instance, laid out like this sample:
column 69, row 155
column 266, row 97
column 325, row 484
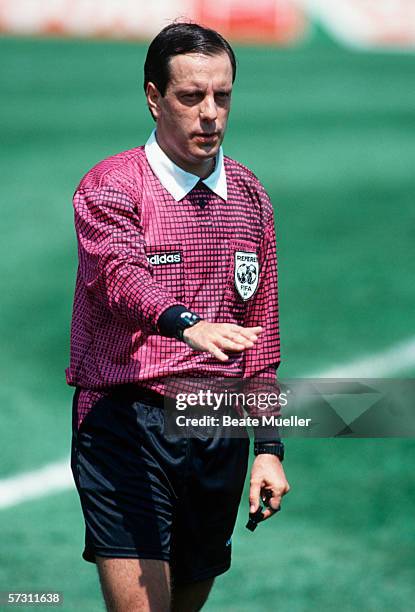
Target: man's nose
column 208, row 110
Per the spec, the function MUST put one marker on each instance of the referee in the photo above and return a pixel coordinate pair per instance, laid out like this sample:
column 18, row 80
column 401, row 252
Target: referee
column 177, row 277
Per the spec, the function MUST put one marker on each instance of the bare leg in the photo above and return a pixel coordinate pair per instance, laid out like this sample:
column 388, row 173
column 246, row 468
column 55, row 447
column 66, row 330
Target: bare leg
column 135, row 585
column 191, row 597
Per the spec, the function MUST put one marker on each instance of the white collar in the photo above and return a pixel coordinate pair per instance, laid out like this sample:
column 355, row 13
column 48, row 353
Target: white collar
column 178, row 182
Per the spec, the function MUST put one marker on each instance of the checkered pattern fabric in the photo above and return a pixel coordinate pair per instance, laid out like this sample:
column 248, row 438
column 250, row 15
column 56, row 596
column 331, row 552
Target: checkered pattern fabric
column 123, row 218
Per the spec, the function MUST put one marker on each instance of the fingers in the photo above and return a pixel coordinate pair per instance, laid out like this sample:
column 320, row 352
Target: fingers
column 216, row 338
column 234, row 343
column 273, row 504
column 254, row 492
column 235, row 338
column 272, row 499
column 268, row 512
column 216, row 352
column 230, row 340
column 244, row 333
column 250, row 332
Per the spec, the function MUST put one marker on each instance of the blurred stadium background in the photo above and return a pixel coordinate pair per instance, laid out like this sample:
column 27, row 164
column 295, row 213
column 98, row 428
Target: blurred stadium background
column 323, row 112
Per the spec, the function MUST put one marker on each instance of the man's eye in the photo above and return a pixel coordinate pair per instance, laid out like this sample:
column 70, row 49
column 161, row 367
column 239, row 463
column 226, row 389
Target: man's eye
column 190, row 96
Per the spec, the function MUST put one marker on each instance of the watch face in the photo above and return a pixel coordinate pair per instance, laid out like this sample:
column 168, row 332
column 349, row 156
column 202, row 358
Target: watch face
column 188, row 318
column 186, row 315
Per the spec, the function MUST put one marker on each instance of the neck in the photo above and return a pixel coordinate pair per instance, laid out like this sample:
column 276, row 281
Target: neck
column 207, row 169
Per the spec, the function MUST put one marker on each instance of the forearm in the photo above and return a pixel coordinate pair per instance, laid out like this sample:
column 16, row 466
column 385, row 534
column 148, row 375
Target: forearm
column 112, row 259
column 129, row 292
column 264, row 387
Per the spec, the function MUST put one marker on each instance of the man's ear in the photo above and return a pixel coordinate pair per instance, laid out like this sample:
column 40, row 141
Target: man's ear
column 153, row 100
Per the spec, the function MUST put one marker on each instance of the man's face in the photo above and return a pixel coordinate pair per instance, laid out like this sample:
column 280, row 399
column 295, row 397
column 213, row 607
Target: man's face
column 192, row 115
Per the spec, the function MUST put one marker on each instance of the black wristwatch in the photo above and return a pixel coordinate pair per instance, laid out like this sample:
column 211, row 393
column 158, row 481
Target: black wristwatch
column 270, row 448
column 184, row 321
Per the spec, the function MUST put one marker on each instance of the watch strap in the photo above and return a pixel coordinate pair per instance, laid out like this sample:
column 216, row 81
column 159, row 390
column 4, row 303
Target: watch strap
column 270, row 448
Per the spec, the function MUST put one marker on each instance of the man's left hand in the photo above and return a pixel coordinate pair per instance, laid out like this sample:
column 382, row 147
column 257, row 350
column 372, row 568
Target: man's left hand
column 268, row 481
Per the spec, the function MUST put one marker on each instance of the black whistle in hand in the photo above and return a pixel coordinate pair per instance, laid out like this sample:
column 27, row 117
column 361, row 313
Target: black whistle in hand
column 254, row 519
column 258, row 516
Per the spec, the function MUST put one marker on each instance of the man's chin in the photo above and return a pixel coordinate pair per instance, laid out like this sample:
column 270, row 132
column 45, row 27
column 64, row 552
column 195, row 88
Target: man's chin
column 207, row 151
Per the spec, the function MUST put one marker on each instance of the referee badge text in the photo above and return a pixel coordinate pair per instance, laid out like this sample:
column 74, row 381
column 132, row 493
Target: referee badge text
column 246, row 273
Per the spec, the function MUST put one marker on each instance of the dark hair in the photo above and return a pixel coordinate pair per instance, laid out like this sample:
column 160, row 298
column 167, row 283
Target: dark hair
column 177, row 39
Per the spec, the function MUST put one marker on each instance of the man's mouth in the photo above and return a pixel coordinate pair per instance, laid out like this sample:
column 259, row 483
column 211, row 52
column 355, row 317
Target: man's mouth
column 206, row 135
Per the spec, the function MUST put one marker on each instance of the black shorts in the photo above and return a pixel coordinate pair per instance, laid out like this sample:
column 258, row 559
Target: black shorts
column 150, row 495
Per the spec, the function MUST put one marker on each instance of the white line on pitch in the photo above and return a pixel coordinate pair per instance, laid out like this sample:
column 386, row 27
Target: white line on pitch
column 52, row 478
column 57, row 476
column 384, row 364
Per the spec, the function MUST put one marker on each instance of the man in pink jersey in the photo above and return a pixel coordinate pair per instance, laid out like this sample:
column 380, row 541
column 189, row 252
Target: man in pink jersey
column 177, row 277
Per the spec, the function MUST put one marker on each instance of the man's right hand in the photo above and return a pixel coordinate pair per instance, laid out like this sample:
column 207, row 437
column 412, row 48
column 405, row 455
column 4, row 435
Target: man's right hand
column 215, row 338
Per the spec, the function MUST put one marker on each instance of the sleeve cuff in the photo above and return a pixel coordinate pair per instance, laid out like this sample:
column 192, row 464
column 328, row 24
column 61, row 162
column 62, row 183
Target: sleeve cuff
column 168, row 320
column 266, row 434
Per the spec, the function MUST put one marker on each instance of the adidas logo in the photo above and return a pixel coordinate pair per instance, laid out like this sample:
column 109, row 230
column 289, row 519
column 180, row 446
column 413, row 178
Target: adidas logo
column 158, row 259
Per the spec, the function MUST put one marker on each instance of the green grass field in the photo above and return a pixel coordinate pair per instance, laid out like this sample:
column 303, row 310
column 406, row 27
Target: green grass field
column 330, row 134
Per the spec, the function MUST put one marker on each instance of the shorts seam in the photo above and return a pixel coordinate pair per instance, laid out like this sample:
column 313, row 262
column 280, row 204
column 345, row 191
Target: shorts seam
column 210, row 572
column 118, row 548
column 126, row 552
